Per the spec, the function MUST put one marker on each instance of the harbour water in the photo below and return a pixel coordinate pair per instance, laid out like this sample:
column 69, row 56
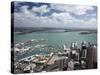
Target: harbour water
column 53, row 39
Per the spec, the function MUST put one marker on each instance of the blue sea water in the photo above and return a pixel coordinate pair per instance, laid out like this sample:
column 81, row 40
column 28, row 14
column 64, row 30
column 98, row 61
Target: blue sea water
column 54, row 39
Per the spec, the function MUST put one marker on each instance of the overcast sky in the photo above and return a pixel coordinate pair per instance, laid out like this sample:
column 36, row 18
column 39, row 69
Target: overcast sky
column 27, row 14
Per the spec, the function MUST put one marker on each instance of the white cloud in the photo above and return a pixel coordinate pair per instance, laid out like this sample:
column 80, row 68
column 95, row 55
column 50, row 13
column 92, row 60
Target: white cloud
column 24, row 9
column 82, row 9
column 42, row 9
column 76, row 9
column 29, row 18
column 62, row 15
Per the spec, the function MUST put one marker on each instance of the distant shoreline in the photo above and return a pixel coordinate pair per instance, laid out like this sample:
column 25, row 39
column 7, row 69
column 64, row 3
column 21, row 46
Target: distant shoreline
column 26, row 30
column 87, row 32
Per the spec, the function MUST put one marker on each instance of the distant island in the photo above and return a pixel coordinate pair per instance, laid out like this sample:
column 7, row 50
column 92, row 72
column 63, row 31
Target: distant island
column 87, row 32
column 25, row 30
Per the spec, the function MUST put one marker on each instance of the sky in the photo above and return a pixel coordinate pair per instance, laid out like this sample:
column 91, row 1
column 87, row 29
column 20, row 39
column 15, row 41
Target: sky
column 29, row 14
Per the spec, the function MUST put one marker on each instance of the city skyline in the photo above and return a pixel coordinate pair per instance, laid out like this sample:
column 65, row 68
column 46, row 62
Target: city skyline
column 50, row 37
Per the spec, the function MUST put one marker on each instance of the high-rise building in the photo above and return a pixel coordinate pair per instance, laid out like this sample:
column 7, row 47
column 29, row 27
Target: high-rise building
column 91, row 59
column 94, row 56
column 62, row 62
column 83, row 52
column 76, row 45
column 70, row 65
column 72, row 45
